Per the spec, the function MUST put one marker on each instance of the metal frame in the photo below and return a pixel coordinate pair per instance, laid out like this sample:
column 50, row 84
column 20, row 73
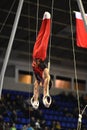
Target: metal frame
column 9, row 48
column 81, row 8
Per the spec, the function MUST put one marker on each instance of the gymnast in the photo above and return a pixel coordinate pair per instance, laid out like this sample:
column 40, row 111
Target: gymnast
column 41, row 71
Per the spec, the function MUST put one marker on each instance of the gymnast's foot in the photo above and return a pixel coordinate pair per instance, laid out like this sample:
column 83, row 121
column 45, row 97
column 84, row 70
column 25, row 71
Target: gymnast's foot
column 47, row 101
column 34, row 103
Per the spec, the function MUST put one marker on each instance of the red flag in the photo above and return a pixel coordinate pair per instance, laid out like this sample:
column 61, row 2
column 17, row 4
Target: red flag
column 81, row 33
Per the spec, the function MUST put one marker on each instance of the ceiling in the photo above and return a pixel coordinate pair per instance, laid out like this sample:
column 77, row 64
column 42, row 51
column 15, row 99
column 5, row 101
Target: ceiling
column 62, row 42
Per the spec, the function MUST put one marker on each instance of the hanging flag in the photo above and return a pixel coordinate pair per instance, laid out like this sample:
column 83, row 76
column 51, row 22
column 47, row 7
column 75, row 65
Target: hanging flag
column 81, row 33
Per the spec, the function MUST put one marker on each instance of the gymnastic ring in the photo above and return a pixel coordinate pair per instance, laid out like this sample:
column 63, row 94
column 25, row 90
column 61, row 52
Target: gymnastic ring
column 47, row 101
column 35, row 104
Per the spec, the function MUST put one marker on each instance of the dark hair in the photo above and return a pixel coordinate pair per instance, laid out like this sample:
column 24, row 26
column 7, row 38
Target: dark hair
column 42, row 65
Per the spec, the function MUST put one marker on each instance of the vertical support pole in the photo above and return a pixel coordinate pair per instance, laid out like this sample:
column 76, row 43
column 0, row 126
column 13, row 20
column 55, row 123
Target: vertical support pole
column 8, row 51
column 81, row 8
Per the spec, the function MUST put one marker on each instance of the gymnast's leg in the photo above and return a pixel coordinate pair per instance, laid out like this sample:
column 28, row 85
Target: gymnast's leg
column 41, row 44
